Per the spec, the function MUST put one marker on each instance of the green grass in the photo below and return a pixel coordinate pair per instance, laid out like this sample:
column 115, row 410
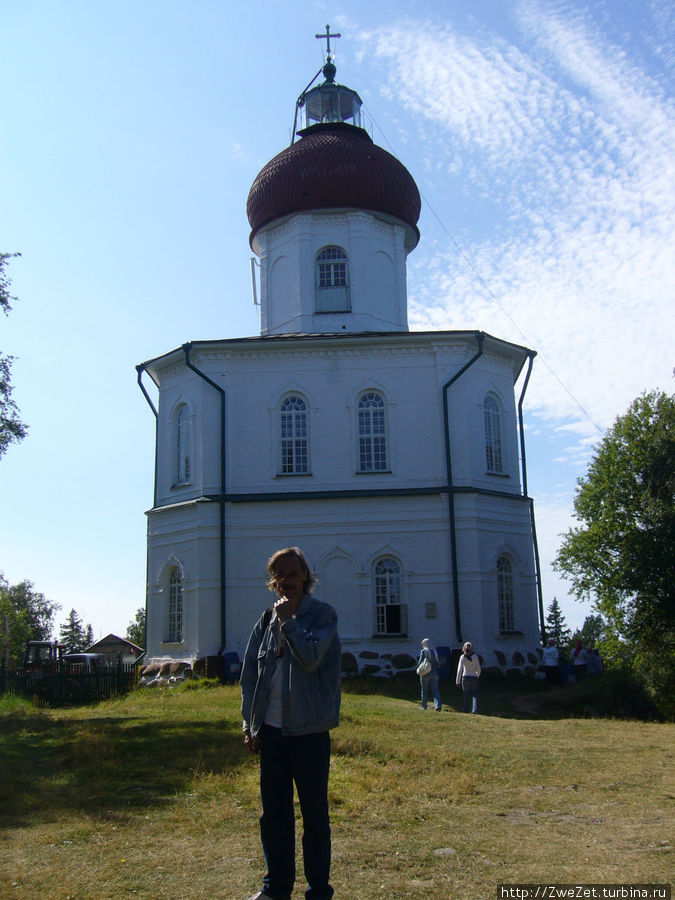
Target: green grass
column 153, row 796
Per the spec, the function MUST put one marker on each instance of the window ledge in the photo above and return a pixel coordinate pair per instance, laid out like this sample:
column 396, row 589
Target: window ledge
column 511, row 633
column 394, row 636
column 498, row 474
column 373, row 472
column 294, row 475
column 181, row 484
column 180, row 643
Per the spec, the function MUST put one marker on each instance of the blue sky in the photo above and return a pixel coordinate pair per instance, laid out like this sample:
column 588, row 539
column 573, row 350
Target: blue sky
column 541, row 135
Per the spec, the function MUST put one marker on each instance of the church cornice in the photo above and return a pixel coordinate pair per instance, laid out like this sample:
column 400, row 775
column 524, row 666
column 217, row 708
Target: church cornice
column 353, row 494
column 300, row 221
column 274, row 353
column 339, row 345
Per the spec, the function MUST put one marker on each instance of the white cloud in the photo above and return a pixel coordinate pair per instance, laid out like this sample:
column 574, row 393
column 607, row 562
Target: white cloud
column 549, row 162
column 575, row 243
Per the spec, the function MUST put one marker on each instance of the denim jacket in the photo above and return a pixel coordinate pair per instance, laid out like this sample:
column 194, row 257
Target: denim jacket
column 311, row 672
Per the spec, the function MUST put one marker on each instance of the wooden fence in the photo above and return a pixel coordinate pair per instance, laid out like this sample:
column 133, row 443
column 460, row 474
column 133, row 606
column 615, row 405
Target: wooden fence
column 69, row 688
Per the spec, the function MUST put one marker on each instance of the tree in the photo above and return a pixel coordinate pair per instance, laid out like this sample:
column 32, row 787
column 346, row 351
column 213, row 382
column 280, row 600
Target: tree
column 136, row 629
column 25, row 615
column 621, row 555
column 556, row 626
column 72, row 634
column 591, row 632
column 12, row 429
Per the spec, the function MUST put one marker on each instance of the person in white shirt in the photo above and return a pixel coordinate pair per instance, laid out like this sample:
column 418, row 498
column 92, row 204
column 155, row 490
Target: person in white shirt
column 579, row 660
column 551, row 661
column 468, row 673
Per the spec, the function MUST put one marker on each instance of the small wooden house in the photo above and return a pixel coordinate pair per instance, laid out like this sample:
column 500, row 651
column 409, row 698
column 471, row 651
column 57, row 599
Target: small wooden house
column 117, row 649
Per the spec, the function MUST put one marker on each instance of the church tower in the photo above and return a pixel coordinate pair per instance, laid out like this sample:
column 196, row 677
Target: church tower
column 394, row 458
column 333, row 218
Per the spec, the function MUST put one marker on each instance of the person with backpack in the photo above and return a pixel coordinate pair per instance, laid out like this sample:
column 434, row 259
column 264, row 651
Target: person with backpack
column 290, row 688
column 428, row 666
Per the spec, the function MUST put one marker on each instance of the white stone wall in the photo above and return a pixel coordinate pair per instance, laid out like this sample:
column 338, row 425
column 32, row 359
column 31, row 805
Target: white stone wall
column 377, row 272
column 342, row 536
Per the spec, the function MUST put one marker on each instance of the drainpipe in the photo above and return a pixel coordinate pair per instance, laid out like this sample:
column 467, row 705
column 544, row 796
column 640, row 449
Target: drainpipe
column 221, row 500
column 480, row 337
column 537, row 565
column 140, row 369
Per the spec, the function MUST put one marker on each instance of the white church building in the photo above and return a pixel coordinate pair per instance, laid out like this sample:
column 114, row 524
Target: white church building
column 394, row 458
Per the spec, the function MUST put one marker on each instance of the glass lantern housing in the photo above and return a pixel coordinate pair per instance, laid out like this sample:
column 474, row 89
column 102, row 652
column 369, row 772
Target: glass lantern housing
column 331, row 102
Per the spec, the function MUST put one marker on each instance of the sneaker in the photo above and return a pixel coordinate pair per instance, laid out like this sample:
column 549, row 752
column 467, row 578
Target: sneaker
column 261, row 895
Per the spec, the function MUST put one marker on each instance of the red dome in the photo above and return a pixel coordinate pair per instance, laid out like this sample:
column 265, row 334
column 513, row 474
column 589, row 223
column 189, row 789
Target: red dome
column 333, row 166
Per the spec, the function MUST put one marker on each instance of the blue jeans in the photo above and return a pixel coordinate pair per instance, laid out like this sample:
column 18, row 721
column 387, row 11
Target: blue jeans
column 470, row 691
column 304, row 760
column 430, row 681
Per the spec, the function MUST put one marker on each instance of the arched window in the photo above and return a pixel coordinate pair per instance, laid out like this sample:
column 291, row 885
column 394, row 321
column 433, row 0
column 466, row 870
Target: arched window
column 505, row 594
column 294, row 437
column 372, row 433
column 175, row 611
column 332, row 281
column 183, row 460
column 391, row 614
column 493, row 435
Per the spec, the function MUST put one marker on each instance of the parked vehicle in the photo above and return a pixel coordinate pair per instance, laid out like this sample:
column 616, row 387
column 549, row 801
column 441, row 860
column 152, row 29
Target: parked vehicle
column 41, row 658
column 86, row 663
column 51, row 677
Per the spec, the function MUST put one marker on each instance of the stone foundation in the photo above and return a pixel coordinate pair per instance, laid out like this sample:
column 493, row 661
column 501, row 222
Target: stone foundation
column 517, row 663
column 387, row 665
column 165, row 674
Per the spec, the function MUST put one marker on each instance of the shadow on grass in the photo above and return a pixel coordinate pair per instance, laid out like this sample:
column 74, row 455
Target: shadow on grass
column 610, row 695
column 496, row 698
column 105, row 766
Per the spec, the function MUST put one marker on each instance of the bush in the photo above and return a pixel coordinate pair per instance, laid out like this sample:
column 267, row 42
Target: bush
column 616, row 694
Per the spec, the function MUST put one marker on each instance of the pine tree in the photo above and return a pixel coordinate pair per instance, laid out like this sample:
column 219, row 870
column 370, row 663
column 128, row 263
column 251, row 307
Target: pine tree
column 72, row 633
column 556, row 626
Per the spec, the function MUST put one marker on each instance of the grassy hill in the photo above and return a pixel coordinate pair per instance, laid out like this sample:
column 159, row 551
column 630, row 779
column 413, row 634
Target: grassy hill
column 153, row 796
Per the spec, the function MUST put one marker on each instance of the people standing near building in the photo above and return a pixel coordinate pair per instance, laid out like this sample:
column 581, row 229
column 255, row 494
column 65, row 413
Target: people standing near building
column 429, row 678
column 290, row 685
column 579, row 661
column 594, row 663
column 468, row 673
column 551, row 661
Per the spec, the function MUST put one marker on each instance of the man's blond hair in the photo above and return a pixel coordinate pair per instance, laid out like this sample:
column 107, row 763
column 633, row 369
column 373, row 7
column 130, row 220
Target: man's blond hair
column 310, row 580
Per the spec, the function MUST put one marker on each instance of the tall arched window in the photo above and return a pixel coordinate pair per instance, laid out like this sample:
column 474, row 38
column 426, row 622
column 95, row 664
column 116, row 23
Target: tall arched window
column 493, row 435
column 332, row 281
column 294, row 437
column 372, row 433
column 175, row 611
column 391, row 613
column 183, row 465
column 505, row 594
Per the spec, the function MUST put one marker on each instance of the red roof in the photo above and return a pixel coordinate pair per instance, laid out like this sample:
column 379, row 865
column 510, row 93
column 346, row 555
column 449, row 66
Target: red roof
column 333, row 166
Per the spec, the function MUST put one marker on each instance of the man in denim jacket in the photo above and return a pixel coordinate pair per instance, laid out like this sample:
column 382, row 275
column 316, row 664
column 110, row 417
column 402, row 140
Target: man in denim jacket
column 290, row 686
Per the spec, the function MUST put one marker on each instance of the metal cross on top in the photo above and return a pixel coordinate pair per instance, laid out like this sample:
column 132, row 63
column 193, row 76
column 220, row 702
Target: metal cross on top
column 327, row 36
